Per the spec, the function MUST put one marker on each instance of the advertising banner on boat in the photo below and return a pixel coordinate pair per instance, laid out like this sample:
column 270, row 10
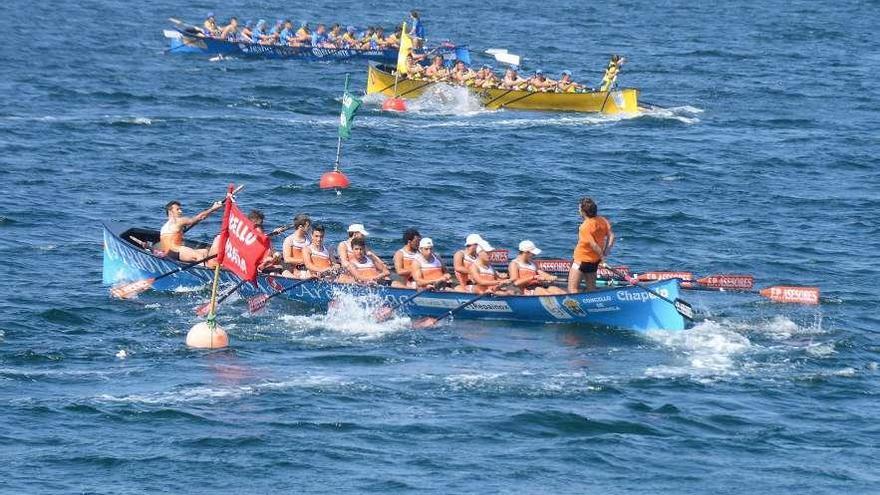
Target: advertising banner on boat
column 243, row 245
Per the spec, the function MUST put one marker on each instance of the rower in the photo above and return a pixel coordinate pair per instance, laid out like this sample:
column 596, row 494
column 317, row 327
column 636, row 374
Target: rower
column 287, row 33
column 209, row 27
column 462, row 261
column 316, row 256
column 486, row 78
column 404, row 257
column 349, row 39
column 171, row 234
column 566, row 85
column 230, row 31
column 414, row 70
column 427, row 267
column 595, row 239
column 512, row 81
column 540, row 82
column 304, row 34
column 272, row 260
column 461, row 74
column 343, row 249
column 294, row 245
column 335, row 34
column 393, row 39
column 247, row 32
column 365, row 267
column 261, row 34
column 485, row 278
column 319, row 37
column 526, row 276
column 366, row 37
column 436, row 71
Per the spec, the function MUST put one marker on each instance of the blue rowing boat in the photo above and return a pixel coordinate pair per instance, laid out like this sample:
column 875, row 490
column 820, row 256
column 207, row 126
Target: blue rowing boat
column 189, row 42
column 632, row 308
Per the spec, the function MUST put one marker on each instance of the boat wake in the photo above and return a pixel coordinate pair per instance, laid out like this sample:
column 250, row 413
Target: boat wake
column 685, row 114
column 444, row 99
column 351, row 315
column 713, row 350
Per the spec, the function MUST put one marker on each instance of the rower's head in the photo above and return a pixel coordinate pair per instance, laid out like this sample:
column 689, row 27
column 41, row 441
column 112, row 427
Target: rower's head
column 350, row 30
column 566, row 76
column 426, row 247
column 288, row 24
column 357, row 231
column 411, row 238
column 317, row 235
column 471, row 243
column 261, row 24
column 210, row 17
column 438, row 60
column 256, row 217
column 483, row 250
column 233, row 22
column 321, row 29
column 414, row 14
column 527, row 249
column 510, row 72
column 302, row 222
column 588, row 207
column 173, row 209
column 539, row 74
column 459, row 65
column 358, row 247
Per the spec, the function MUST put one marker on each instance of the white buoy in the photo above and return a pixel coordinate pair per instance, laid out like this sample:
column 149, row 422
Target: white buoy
column 205, row 336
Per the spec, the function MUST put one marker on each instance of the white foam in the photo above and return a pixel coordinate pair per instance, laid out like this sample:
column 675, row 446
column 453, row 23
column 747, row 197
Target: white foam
column 349, row 314
column 685, row 114
column 444, row 99
column 707, row 349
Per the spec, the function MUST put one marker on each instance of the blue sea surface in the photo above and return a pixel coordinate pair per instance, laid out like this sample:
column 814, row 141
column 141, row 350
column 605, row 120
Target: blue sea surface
column 762, row 160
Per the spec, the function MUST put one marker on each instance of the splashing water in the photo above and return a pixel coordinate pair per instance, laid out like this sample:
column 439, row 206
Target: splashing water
column 350, row 314
column 708, row 349
column 685, row 114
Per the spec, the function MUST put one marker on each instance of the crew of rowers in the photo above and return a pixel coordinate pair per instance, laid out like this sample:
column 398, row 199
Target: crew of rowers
column 284, row 32
column 305, row 255
column 486, row 78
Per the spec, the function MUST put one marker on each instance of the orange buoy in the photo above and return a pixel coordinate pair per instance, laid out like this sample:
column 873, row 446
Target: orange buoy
column 204, row 335
column 333, row 180
column 394, row 105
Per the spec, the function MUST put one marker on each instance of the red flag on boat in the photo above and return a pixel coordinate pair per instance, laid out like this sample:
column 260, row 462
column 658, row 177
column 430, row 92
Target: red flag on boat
column 243, row 246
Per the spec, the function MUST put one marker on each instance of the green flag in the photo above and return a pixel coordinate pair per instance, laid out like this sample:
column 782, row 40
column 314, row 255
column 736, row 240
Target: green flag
column 350, row 104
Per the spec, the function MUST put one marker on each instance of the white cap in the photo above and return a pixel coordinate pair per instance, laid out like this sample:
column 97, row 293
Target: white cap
column 484, row 246
column 473, row 239
column 426, row 242
column 529, row 246
column 357, row 227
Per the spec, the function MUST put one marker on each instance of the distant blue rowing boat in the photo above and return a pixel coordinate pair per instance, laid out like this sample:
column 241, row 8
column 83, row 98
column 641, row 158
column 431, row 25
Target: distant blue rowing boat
column 188, row 42
column 629, row 308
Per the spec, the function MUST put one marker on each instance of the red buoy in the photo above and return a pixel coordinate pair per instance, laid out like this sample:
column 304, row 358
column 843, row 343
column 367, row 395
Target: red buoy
column 333, row 180
column 394, row 105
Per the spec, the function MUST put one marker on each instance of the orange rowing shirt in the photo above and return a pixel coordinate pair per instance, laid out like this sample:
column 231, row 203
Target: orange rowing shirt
column 596, row 228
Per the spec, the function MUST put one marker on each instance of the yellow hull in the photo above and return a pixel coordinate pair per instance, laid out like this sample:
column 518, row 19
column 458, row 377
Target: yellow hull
column 624, row 100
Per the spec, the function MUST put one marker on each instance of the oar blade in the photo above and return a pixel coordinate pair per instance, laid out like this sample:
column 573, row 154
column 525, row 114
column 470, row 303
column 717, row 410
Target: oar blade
column 426, row 322
column 734, row 282
column 257, row 303
column 684, row 308
column 668, row 275
column 791, row 294
column 129, row 290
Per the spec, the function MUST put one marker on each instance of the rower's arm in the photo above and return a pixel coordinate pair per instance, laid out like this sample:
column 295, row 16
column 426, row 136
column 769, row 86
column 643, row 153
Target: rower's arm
column 458, row 264
column 383, row 268
column 398, row 265
column 191, row 222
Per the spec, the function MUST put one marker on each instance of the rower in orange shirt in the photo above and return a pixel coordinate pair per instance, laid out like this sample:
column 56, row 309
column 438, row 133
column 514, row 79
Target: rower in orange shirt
column 404, row 257
column 526, row 275
column 427, row 267
column 595, row 239
column 462, row 261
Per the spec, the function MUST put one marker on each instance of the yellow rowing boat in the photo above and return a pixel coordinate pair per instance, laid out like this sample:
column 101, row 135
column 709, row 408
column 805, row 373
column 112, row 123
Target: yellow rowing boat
column 380, row 79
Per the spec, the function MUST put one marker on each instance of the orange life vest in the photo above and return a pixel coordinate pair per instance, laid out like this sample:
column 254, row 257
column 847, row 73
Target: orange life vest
column 468, row 260
column 168, row 240
column 431, row 270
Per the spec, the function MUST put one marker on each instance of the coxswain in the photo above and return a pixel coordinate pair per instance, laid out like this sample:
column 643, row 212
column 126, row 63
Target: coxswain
column 512, row 81
column 343, row 249
column 230, row 31
column 611, row 72
column 364, row 267
column 209, row 27
column 417, row 31
column 171, row 234
column 526, row 276
column 540, row 82
column 404, row 257
column 485, row 278
column 316, row 256
column 427, row 267
column 294, row 245
column 595, row 239
column 462, row 261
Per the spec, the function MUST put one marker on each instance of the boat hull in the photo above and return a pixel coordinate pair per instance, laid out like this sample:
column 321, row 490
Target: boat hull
column 625, row 100
column 630, row 308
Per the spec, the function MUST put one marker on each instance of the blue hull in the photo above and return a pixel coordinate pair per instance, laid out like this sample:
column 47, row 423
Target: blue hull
column 208, row 46
column 629, row 308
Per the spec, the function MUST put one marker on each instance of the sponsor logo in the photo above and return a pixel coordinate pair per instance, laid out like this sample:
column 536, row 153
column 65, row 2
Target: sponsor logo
column 603, row 310
column 640, row 296
column 597, row 300
column 498, row 256
column 557, row 266
column 573, row 306
column 433, row 302
column 552, row 306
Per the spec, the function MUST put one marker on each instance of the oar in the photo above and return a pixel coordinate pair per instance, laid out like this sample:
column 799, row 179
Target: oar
column 385, row 312
column 778, row 293
column 414, row 89
column 680, row 305
column 430, row 321
column 257, row 303
column 234, row 191
column 132, row 289
column 204, row 309
column 529, row 93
